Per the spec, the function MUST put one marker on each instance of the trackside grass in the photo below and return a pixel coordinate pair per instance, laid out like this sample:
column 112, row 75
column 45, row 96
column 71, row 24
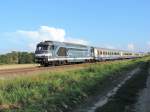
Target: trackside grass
column 57, row 91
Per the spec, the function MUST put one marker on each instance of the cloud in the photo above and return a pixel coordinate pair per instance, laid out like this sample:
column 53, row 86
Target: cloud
column 43, row 33
column 131, row 47
column 30, row 38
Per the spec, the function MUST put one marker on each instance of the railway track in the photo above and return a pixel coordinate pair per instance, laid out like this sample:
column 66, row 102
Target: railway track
column 19, row 71
column 38, row 69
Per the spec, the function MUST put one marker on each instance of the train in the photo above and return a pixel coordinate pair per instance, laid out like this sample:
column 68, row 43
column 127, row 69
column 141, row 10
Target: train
column 60, row 53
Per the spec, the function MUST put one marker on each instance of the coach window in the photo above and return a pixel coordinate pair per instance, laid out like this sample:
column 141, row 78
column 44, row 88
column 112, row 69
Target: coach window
column 104, row 53
column 100, row 52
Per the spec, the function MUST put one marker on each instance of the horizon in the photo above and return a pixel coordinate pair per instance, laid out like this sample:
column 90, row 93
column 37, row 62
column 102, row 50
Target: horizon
column 122, row 25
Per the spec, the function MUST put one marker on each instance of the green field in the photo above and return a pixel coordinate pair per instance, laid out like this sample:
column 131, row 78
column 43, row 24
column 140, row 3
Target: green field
column 58, row 91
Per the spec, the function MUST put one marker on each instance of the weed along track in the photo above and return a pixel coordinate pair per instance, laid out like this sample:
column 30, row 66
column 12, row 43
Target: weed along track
column 64, row 90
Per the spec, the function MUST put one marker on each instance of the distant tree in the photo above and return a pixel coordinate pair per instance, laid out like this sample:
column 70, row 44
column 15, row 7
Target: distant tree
column 25, row 57
column 17, row 58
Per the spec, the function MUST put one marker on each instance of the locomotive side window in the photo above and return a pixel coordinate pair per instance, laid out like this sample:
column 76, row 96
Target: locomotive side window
column 62, row 51
column 52, row 47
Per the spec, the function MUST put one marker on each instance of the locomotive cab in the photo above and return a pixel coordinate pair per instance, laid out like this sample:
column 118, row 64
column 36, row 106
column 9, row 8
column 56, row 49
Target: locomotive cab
column 43, row 52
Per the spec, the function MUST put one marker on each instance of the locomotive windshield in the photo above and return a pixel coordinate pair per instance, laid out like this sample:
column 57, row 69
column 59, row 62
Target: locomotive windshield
column 42, row 47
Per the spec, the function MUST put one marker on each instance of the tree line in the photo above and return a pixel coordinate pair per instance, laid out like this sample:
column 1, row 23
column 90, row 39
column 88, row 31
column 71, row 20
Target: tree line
column 17, row 58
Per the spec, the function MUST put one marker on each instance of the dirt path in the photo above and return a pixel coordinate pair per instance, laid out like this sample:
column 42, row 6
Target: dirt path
column 126, row 96
column 143, row 103
column 102, row 98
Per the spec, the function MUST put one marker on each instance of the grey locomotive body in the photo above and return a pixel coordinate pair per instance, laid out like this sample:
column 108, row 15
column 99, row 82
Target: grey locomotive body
column 52, row 52
column 56, row 53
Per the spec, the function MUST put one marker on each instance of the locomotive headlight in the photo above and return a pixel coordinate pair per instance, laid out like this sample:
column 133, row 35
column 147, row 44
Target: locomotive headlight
column 43, row 55
column 48, row 54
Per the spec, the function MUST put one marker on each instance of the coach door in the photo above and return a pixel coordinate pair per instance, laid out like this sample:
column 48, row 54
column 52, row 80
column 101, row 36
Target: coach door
column 92, row 52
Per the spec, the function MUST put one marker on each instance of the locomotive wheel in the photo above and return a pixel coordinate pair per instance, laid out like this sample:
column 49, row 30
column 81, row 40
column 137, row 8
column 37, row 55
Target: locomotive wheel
column 53, row 63
column 46, row 64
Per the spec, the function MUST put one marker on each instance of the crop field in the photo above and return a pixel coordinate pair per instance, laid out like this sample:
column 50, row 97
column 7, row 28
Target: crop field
column 58, row 91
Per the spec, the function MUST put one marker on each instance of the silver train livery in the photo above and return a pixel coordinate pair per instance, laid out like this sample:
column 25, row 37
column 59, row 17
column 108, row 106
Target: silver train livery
column 57, row 53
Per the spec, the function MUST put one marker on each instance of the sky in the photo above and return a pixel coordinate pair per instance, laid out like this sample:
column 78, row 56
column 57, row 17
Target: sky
column 116, row 24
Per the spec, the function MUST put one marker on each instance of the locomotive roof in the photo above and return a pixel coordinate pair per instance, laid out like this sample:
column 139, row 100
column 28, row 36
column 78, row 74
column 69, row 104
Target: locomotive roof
column 75, row 44
column 45, row 43
column 56, row 42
